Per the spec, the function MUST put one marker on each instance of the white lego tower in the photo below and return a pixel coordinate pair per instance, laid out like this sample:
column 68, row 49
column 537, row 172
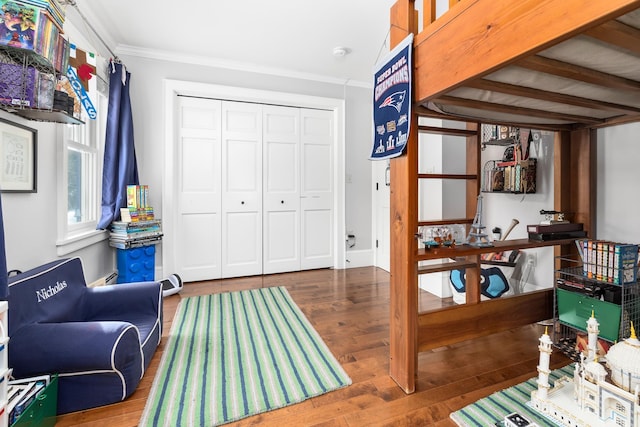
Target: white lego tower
column 593, row 330
column 543, row 365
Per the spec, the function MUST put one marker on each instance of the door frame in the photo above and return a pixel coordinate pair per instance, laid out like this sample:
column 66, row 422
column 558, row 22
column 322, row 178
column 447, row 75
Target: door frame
column 173, row 88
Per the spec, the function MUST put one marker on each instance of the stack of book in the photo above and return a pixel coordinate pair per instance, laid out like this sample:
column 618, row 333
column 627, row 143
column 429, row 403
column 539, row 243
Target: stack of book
column 21, row 393
column 125, row 235
column 566, row 230
column 610, row 262
column 36, row 25
column 138, row 208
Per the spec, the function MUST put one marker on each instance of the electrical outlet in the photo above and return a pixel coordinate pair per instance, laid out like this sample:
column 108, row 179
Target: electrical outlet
column 532, row 259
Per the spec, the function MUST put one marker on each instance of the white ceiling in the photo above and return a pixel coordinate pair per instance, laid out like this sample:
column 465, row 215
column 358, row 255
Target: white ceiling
column 290, row 37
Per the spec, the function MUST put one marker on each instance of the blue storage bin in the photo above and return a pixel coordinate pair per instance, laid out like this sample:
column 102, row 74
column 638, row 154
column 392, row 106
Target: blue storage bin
column 136, row 264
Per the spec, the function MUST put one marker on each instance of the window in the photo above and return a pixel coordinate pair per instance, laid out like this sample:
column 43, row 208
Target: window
column 79, row 180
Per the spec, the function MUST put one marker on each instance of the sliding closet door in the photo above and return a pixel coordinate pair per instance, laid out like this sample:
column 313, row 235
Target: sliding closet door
column 316, row 191
column 281, row 189
column 198, row 209
column 242, row 189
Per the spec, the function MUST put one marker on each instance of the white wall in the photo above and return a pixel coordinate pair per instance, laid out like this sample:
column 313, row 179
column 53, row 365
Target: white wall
column 618, row 180
column 501, row 208
column 359, row 183
column 148, row 112
column 30, row 219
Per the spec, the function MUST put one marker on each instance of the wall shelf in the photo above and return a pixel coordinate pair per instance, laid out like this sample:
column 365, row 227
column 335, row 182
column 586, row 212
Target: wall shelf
column 18, row 63
column 36, row 114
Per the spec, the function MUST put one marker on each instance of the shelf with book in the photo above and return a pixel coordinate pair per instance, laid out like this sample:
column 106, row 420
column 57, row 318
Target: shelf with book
column 34, row 58
column 514, row 177
column 579, row 294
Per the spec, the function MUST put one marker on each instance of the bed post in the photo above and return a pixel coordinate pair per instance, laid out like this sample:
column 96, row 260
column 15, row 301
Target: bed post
column 574, row 182
column 403, row 355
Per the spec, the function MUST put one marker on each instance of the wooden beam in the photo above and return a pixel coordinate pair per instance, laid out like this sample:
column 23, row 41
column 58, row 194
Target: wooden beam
column 472, row 190
column 445, row 222
column 403, row 358
column 617, row 34
column 429, row 12
column 574, row 181
column 423, row 111
column 512, row 109
column 491, row 32
column 575, row 176
column 469, row 321
column 544, row 95
column 446, row 131
column 445, row 176
column 575, row 72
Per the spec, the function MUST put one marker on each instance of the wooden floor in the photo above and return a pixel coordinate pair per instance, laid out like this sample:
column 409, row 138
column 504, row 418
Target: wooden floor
column 350, row 310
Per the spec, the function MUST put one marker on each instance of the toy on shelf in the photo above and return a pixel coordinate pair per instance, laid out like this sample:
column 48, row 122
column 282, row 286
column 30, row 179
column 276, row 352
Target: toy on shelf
column 477, row 236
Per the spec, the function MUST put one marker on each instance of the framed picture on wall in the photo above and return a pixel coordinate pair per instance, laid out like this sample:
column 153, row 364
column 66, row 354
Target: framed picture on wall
column 18, row 158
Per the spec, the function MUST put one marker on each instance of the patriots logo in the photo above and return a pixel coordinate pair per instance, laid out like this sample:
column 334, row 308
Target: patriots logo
column 394, row 100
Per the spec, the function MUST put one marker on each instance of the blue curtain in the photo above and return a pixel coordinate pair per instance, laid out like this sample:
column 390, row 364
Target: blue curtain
column 120, row 168
column 4, row 286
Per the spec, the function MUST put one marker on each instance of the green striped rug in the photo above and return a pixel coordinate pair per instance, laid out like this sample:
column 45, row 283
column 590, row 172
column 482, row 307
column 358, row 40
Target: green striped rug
column 233, row 355
column 488, row 411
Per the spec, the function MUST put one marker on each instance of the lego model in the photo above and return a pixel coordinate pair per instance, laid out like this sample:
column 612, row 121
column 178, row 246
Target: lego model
column 596, row 395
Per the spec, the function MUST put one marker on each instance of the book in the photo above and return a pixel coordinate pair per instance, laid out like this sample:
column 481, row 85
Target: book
column 16, row 404
column 138, row 197
column 131, row 226
column 554, row 228
column 23, row 404
column 136, row 243
column 625, row 263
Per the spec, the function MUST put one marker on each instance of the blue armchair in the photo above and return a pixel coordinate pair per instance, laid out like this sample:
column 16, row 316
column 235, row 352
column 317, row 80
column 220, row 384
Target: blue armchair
column 98, row 340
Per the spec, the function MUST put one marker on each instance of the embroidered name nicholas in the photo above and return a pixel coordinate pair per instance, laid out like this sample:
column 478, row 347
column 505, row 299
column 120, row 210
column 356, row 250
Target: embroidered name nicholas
column 45, row 293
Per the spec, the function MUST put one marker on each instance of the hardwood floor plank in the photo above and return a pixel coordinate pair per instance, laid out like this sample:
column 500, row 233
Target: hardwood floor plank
column 350, row 310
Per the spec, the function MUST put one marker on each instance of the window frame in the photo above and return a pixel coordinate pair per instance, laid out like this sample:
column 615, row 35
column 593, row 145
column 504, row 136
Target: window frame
column 73, row 237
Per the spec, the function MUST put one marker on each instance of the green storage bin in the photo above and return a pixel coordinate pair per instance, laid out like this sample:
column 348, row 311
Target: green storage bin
column 574, row 309
column 42, row 411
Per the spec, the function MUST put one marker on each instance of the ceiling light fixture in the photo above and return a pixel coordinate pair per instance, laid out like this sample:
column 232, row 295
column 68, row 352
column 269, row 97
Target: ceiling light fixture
column 340, row 51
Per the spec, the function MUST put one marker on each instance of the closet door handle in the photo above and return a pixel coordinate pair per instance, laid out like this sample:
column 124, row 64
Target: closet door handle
column 242, row 202
column 282, row 201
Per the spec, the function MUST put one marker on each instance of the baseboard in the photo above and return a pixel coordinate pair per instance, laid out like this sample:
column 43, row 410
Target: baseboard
column 362, row 258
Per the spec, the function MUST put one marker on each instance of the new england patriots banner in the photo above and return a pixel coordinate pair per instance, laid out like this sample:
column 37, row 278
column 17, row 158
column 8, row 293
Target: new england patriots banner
column 392, row 102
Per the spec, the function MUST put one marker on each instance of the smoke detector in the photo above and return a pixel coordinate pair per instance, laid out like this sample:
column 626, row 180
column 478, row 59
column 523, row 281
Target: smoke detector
column 340, row 51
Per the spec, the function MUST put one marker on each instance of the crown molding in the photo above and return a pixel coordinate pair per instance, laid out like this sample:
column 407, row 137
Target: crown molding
column 163, row 55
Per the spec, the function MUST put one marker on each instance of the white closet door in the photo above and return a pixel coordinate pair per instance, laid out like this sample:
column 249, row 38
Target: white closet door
column 198, row 151
column 281, row 189
column 242, row 189
column 316, row 192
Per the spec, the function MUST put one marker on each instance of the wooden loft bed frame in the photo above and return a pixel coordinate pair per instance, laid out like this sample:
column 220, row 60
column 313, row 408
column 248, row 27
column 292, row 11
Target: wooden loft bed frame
column 570, row 66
